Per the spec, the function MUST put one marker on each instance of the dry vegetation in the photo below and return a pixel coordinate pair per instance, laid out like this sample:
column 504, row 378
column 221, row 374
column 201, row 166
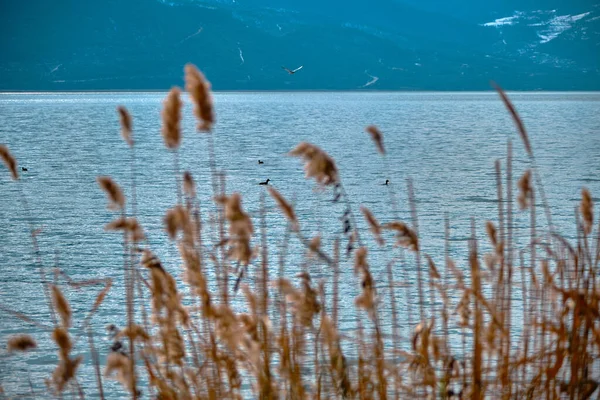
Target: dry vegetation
column 288, row 344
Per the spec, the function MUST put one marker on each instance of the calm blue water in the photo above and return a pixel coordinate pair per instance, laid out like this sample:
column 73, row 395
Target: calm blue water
column 446, row 142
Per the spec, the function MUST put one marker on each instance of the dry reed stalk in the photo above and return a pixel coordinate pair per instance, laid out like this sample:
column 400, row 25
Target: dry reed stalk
column 336, row 283
column 477, row 382
column 126, row 125
column 113, row 191
column 532, row 260
column 267, row 386
column 223, row 267
column 526, row 323
column 377, row 137
column 501, row 239
column 414, row 235
column 9, row 161
column 445, row 315
column 504, row 373
column 20, row 343
column 395, row 330
column 516, row 118
column 171, row 119
column 27, row 319
column 96, row 361
column 199, row 90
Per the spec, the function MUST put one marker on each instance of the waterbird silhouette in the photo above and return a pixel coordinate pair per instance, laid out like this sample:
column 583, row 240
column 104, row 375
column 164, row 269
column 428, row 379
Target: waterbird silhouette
column 261, row 162
column 265, row 182
column 23, row 169
column 387, row 181
column 292, row 72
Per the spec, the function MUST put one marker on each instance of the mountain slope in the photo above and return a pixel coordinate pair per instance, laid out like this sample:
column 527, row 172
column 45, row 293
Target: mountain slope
column 242, row 44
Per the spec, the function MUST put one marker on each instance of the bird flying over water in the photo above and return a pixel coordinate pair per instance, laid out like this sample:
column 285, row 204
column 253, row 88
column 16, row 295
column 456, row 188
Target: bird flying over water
column 292, row 72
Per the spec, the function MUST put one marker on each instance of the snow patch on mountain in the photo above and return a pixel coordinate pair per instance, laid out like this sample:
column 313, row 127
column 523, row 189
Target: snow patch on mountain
column 558, row 25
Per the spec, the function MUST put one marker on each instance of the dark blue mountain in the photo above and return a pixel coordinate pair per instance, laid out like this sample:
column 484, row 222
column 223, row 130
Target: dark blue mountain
column 242, row 44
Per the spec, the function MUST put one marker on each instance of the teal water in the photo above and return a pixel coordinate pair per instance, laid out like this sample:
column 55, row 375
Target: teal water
column 445, row 142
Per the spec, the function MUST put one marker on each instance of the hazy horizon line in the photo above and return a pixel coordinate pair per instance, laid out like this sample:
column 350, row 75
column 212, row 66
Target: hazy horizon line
column 491, row 90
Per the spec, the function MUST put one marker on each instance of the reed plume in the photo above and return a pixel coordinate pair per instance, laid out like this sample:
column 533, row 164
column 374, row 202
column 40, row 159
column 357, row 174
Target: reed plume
column 377, row 137
column 113, row 191
column 587, row 210
column 130, row 226
column 285, row 207
column 199, row 90
column 405, row 236
column 62, row 306
column 373, row 224
column 171, row 119
column 240, row 228
column 20, row 343
column 189, row 186
column 318, row 164
column 9, row 161
column 126, row 125
column 118, row 366
column 525, row 190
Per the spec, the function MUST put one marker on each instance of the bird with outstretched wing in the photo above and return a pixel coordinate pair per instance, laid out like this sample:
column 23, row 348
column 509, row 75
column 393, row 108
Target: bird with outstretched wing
column 293, row 71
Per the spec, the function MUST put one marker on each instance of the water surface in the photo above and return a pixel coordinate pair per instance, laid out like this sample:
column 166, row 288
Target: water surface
column 446, row 143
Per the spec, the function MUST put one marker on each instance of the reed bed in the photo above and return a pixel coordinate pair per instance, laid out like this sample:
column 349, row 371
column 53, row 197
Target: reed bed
column 184, row 340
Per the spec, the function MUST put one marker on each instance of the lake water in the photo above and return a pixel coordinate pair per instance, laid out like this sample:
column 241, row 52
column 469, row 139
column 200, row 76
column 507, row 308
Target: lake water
column 445, row 142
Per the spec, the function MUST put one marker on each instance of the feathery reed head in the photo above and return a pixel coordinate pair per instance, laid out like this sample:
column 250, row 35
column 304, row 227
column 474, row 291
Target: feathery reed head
column 377, row 137
column 121, row 365
column 113, row 191
column 65, row 371
column 63, row 341
column 318, row 163
column 525, row 190
column 126, row 125
column 177, row 219
column 62, row 306
column 9, row 160
column 199, row 90
column 129, row 225
column 287, row 209
column 189, row 187
column 20, row 343
column 240, row 227
column 373, row 224
column 405, row 236
column 171, row 118
column 587, row 210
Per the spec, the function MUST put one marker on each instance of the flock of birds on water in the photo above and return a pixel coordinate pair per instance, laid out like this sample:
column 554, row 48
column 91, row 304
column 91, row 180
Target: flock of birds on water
column 291, row 72
column 387, row 181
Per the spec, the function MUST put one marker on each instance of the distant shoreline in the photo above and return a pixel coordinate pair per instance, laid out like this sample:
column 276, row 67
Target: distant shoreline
column 490, row 91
